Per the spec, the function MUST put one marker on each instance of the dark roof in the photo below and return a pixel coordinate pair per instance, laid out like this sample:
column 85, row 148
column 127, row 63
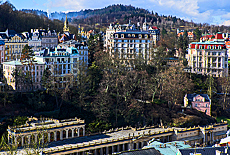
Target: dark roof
column 12, row 33
column 191, row 96
column 3, row 36
column 143, row 152
column 2, row 42
column 204, row 151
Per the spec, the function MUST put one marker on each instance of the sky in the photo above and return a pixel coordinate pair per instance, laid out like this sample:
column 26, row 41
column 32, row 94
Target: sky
column 213, row 12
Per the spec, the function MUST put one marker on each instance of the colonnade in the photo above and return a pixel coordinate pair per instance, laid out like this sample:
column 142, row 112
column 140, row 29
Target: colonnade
column 113, row 149
column 46, row 136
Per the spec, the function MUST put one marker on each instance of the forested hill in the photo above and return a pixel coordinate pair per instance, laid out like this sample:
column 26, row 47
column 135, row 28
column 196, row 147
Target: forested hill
column 101, row 18
column 20, row 21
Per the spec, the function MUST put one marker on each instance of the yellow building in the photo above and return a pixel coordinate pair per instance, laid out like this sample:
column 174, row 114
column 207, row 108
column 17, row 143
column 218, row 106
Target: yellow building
column 13, row 48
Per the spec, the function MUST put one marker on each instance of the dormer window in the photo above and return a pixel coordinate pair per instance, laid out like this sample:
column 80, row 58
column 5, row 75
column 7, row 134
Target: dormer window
column 146, row 36
column 122, row 35
column 200, row 47
column 140, row 36
column 129, row 35
column 133, row 35
column 209, row 47
column 219, row 47
column 116, row 35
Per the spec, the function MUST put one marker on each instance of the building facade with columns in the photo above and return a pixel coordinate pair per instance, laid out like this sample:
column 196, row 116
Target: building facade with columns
column 46, row 130
column 108, row 142
column 208, row 58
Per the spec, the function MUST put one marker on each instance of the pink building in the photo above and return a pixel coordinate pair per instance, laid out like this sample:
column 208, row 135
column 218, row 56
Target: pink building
column 201, row 102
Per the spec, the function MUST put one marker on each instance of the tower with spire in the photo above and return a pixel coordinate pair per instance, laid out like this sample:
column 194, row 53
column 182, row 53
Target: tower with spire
column 66, row 27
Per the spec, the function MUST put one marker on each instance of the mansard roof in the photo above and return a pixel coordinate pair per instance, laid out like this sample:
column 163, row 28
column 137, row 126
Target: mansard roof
column 191, row 96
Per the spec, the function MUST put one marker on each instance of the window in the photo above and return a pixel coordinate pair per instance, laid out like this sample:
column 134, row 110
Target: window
column 116, row 35
column 219, row 47
column 133, row 35
column 196, row 105
column 129, row 35
column 122, row 35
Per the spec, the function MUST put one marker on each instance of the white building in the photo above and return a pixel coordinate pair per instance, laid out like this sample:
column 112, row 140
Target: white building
column 19, row 82
column 128, row 42
column 64, row 64
column 208, row 58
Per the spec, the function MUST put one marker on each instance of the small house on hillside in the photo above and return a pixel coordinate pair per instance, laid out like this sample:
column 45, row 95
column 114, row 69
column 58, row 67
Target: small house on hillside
column 201, row 102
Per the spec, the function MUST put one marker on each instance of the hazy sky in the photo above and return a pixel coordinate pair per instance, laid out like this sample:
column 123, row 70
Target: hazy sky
column 200, row 11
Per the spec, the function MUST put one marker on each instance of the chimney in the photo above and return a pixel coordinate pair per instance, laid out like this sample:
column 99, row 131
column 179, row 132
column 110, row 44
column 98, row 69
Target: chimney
column 160, row 145
column 164, row 145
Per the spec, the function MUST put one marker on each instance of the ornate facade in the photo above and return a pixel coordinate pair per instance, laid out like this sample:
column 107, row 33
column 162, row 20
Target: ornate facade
column 208, row 58
column 13, row 47
column 128, row 42
column 46, row 130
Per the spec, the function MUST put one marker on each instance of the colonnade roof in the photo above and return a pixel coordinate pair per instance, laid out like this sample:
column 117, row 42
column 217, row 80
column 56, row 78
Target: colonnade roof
column 34, row 124
column 106, row 138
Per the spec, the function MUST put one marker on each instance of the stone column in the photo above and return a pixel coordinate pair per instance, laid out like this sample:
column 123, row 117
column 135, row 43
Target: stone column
column 29, row 139
column 9, row 141
column 142, row 144
column 72, row 133
column 101, row 151
column 123, row 147
column 67, row 133
column 55, row 136
column 84, row 131
column 22, row 140
column 36, row 138
column 107, row 150
column 61, row 135
column 42, row 138
column 48, row 137
column 78, row 132
column 95, row 152
column 112, row 149
column 15, row 140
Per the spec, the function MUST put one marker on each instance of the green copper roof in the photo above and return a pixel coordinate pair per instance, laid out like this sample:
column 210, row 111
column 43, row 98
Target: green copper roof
column 169, row 148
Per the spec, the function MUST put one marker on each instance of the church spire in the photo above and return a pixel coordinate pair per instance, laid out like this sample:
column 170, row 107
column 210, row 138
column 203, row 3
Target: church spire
column 66, row 28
